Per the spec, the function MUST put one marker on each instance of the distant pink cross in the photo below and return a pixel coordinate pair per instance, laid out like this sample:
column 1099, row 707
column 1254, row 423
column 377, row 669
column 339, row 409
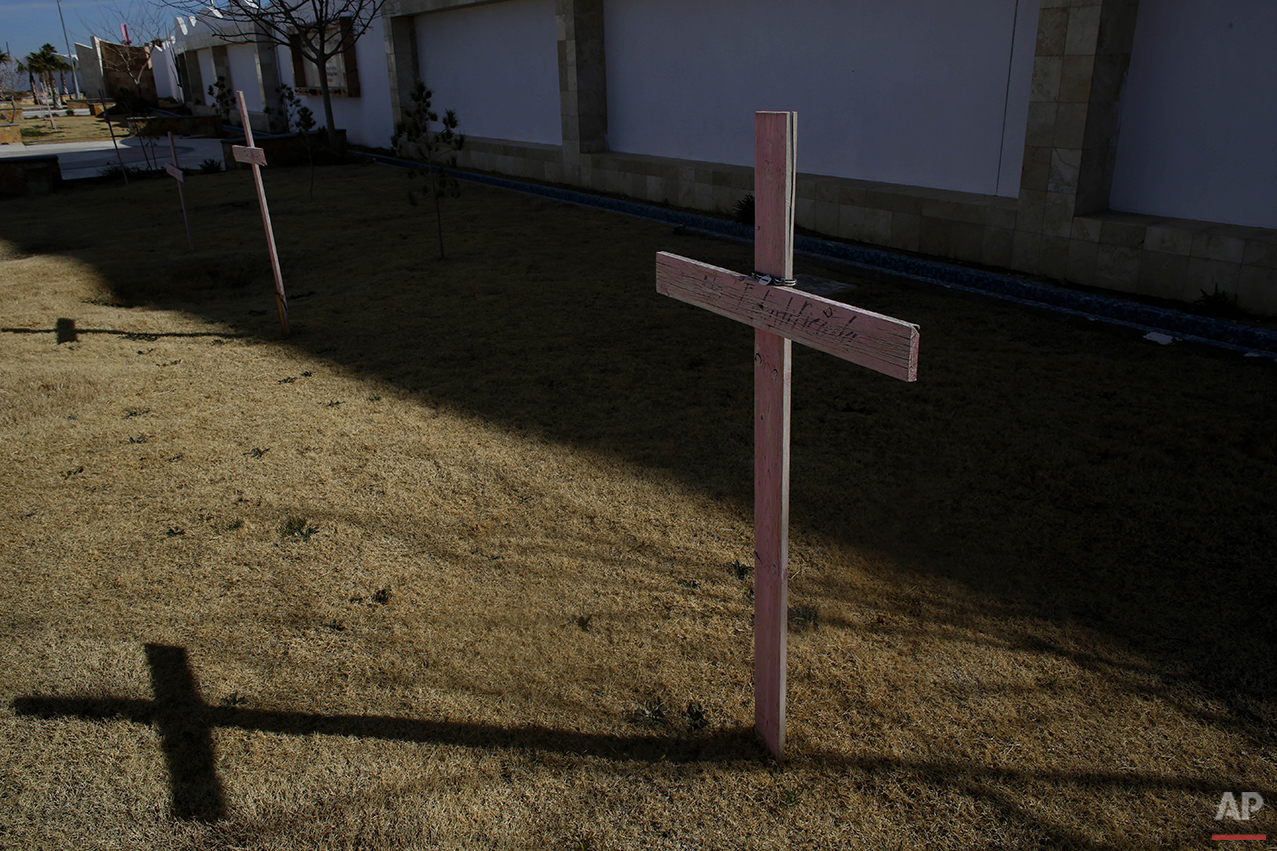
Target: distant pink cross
column 256, row 158
column 780, row 314
column 175, row 172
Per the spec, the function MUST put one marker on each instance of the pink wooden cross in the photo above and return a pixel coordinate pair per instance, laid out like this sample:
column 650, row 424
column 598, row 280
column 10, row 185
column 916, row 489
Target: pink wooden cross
column 780, row 314
column 175, row 172
column 256, row 158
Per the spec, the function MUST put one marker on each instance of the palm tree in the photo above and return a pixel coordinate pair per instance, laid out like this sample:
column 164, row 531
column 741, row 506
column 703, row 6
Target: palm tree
column 61, row 66
column 45, row 62
column 29, row 72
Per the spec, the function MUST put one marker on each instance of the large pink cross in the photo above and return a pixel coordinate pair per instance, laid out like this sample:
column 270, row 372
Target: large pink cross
column 256, row 158
column 780, row 314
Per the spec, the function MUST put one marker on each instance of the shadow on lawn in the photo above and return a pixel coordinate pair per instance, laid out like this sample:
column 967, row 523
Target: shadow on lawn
column 186, row 723
column 1073, row 473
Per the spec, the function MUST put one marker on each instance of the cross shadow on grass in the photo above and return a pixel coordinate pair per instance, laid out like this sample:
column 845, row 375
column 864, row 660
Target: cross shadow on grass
column 186, row 724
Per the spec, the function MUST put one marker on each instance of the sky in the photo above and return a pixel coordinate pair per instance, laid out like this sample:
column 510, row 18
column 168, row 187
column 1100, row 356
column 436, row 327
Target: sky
column 28, row 24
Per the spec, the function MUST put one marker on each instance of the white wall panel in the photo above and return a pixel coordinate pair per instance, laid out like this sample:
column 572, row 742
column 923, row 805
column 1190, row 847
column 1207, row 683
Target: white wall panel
column 208, row 75
column 918, row 92
column 242, row 59
column 1198, row 136
column 497, row 66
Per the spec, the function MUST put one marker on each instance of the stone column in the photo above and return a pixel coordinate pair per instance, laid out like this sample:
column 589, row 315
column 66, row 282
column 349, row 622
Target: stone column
column 401, row 62
column 582, row 82
column 268, row 79
column 1083, row 52
column 195, row 87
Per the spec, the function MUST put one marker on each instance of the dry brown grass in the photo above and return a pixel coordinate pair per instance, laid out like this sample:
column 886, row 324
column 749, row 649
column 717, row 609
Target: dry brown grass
column 439, row 564
column 72, row 128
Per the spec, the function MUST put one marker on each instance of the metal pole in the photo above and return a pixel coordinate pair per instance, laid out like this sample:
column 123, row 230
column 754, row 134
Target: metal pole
column 70, row 55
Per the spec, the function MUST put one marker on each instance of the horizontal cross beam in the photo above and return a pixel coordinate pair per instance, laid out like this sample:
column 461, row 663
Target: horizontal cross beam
column 248, row 154
column 878, row 342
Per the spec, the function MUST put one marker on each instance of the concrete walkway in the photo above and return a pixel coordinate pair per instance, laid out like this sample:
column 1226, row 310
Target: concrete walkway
column 88, row 159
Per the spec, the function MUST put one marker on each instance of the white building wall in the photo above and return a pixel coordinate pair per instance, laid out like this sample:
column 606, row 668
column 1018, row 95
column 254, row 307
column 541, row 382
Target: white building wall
column 497, row 66
column 91, row 80
column 1198, row 136
column 242, row 60
column 208, row 74
column 918, row 92
column 366, row 119
column 165, row 71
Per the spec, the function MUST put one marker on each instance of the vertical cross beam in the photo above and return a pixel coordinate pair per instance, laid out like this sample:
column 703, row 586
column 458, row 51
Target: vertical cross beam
column 256, row 158
column 781, row 314
column 185, row 735
column 175, row 172
column 775, row 140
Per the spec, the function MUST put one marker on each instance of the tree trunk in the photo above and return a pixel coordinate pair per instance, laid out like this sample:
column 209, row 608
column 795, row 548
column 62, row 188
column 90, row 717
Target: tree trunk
column 328, row 106
column 438, row 212
column 55, row 102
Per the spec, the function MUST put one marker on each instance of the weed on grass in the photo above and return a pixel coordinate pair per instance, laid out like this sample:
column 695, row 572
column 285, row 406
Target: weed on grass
column 802, row 618
column 651, row 712
column 296, row 527
column 232, row 700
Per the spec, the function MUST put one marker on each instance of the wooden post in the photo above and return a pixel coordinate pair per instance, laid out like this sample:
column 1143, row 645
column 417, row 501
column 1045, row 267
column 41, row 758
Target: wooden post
column 774, row 144
column 256, row 158
column 175, row 172
column 780, row 314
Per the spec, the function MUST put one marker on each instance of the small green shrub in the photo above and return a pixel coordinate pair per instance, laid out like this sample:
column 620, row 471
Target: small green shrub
column 210, row 166
column 1219, row 303
column 113, row 171
column 414, row 137
column 223, row 98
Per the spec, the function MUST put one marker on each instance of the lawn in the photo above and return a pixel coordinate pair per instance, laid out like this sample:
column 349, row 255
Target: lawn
column 72, row 128
column 463, row 562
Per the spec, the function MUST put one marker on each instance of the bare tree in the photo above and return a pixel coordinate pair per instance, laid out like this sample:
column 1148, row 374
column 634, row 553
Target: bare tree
column 10, row 76
column 321, row 31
